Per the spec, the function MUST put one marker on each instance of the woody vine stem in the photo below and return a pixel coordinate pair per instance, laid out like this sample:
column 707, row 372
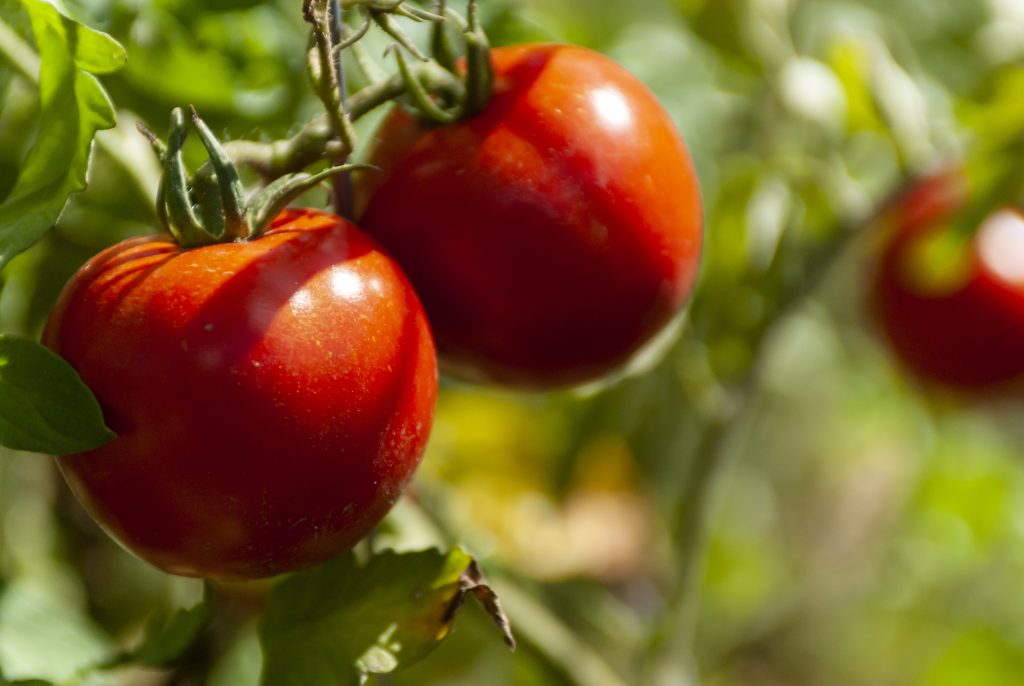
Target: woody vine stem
column 209, row 206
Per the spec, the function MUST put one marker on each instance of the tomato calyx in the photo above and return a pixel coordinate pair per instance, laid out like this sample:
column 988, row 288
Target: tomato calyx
column 479, row 69
column 211, row 205
column 208, row 209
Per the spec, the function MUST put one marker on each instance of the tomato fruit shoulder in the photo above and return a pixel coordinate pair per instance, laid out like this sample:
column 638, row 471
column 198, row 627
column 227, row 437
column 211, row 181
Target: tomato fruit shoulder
column 553, row 234
column 272, row 398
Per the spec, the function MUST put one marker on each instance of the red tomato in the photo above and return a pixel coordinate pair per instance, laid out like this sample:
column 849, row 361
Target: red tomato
column 553, row 234
column 953, row 309
column 271, row 398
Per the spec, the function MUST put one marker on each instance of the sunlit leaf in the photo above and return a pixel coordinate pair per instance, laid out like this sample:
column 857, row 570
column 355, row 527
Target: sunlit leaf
column 44, row 406
column 43, row 637
column 73, row 108
column 334, row 624
column 170, row 634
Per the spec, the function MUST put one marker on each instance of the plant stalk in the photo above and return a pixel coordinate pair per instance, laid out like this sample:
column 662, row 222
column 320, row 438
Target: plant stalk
column 344, row 202
column 325, row 78
column 314, row 141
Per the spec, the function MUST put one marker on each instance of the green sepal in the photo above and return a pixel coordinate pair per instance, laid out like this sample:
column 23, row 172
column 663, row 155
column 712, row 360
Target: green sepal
column 388, row 25
column 183, row 223
column 479, row 67
column 351, row 39
column 420, row 98
column 159, row 147
column 269, row 202
column 416, row 13
column 441, row 42
column 232, row 193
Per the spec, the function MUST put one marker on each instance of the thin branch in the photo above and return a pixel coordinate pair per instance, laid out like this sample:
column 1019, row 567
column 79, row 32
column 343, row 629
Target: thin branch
column 325, row 77
column 312, row 142
column 341, row 184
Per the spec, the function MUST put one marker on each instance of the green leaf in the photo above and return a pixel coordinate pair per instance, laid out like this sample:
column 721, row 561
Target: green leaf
column 170, row 634
column 242, row 662
column 337, row 623
column 73, row 107
column 43, row 636
column 44, row 405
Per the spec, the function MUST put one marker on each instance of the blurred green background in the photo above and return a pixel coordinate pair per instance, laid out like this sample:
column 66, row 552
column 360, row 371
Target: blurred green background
column 861, row 531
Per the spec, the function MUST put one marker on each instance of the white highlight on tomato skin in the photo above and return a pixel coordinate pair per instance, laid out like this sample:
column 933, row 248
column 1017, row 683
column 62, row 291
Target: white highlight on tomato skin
column 346, row 284
column 301, row 301
column 610, row 105
column 1001, row 245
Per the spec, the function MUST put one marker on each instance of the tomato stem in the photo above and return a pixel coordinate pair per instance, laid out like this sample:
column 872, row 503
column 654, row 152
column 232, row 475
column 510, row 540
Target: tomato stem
column 275, row 197
column 344, row 202
column 312, row 142
column 440, row 39
column 219, row 197
column 437, row 92
column 324, row 74
column 419, row 96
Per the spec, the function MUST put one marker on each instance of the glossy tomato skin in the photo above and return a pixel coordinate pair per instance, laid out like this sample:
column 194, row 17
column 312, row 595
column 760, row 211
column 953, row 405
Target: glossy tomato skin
column 271, row 398
column 966, row 334
column 553, row 234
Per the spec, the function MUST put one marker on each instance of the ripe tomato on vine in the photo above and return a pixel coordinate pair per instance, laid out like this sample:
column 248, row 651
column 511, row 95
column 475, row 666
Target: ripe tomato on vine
column 271, row 397
column 552, row 234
